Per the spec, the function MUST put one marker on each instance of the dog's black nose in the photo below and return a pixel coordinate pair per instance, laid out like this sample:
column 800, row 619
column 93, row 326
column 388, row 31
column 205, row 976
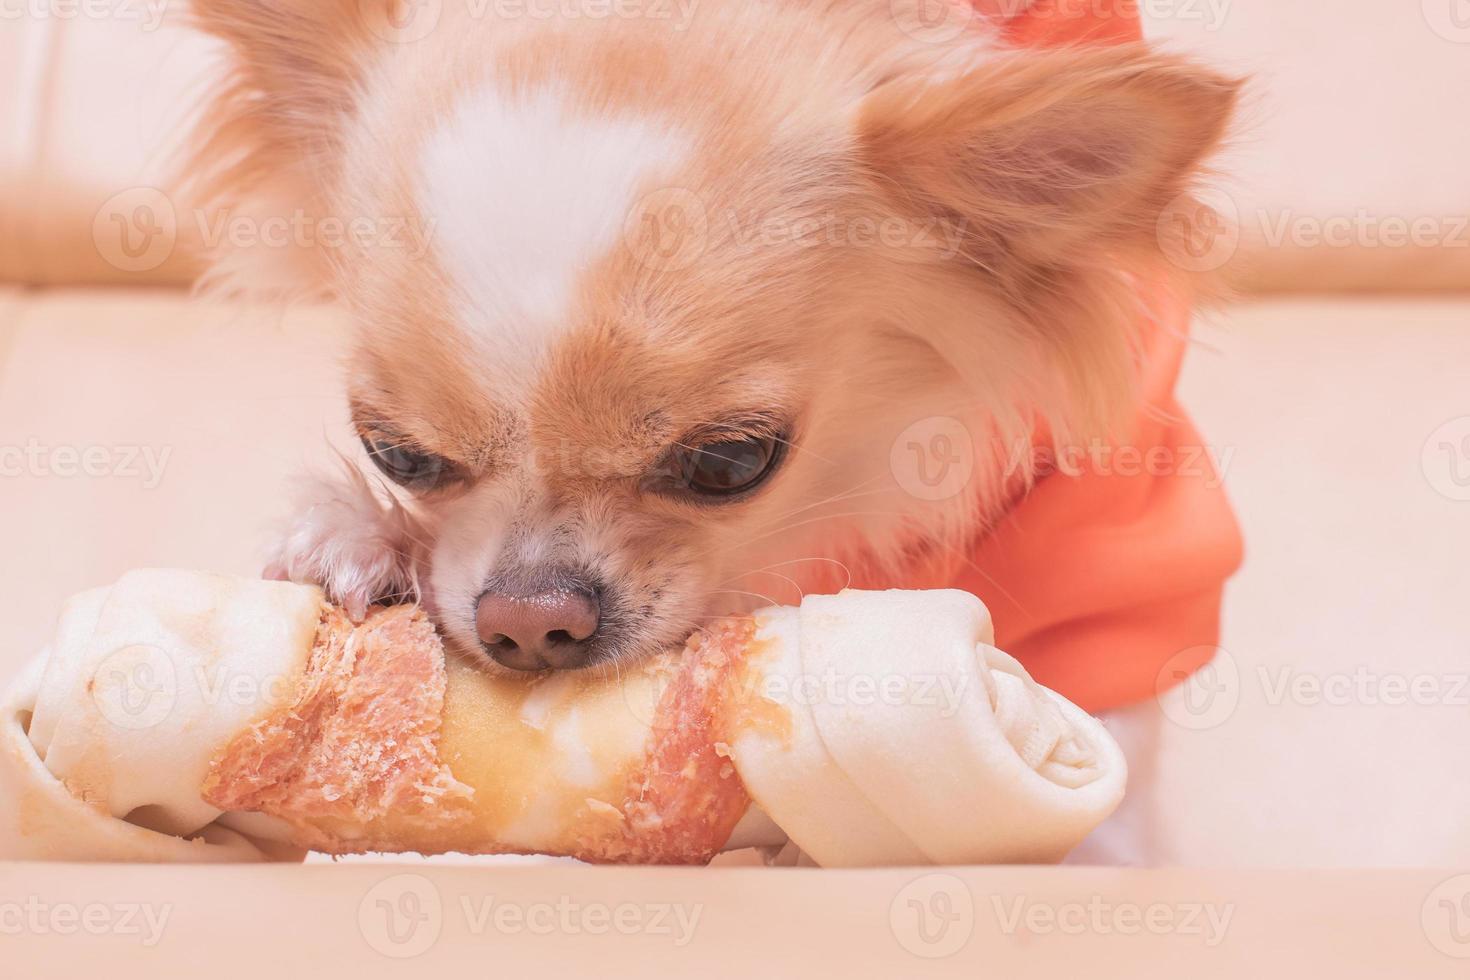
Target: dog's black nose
column 538, row 628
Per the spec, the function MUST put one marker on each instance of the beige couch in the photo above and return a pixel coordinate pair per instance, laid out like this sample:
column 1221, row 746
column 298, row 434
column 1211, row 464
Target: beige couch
column 139, row 426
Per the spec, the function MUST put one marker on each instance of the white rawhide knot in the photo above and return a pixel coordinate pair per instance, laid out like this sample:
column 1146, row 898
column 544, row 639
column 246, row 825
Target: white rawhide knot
column 106, row 738
column 913, row 740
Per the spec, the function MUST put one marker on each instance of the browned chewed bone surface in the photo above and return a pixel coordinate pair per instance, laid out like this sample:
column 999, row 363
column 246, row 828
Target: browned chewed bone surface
column 385, row 746
column 358, row 743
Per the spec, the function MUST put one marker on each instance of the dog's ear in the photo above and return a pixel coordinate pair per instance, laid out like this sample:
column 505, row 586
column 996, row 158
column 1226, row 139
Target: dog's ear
column 1037, row 155
column 299, row 55
column 1052, row 173
column 262, row 142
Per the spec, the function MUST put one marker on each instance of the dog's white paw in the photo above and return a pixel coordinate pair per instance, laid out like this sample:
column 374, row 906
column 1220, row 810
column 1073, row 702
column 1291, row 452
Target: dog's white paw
column 348, row 543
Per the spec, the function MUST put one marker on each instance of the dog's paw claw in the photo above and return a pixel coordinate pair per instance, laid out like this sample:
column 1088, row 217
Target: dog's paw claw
column 351, row 556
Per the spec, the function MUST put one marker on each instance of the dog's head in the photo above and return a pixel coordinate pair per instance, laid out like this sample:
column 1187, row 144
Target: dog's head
column 655, row 324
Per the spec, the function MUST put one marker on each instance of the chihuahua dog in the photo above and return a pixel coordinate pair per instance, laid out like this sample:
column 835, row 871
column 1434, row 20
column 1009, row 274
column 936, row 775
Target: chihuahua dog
column 685, row 283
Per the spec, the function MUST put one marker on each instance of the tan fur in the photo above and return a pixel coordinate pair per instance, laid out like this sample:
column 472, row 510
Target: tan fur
column 1049, row 169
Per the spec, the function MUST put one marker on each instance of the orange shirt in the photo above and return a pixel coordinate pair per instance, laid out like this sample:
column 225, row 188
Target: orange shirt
column 1107, row 585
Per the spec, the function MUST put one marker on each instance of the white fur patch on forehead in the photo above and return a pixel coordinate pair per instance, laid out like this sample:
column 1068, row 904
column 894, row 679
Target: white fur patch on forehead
column 524, row 196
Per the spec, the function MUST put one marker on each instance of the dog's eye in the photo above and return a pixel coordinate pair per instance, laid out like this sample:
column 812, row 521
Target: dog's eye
column 404, row 464
column 723, row 469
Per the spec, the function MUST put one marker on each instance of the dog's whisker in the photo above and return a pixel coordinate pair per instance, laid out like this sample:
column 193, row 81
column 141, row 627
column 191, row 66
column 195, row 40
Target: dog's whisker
column 765, row 571
column 414, row 538
column 840, row 495
column 768, row 600
column 837, row 499
column 970, row 563
column 813, row 520
column 847, row 569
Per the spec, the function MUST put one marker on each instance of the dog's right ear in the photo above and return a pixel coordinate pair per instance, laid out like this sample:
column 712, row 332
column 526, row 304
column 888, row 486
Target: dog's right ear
column 266, row 139
column 1057, row 171
column 1042, row 156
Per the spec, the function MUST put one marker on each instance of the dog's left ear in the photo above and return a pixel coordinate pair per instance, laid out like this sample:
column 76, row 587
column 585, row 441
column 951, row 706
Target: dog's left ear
column 1036, row 156
column 271, row 135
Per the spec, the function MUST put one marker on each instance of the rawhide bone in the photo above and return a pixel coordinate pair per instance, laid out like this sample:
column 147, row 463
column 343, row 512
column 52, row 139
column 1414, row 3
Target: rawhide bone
column 185, row 716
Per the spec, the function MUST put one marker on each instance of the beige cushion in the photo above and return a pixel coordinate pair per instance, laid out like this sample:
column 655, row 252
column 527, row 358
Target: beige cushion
column 92, row 113
column 1348, row 431
column 195, row 417
column 1349, row 136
